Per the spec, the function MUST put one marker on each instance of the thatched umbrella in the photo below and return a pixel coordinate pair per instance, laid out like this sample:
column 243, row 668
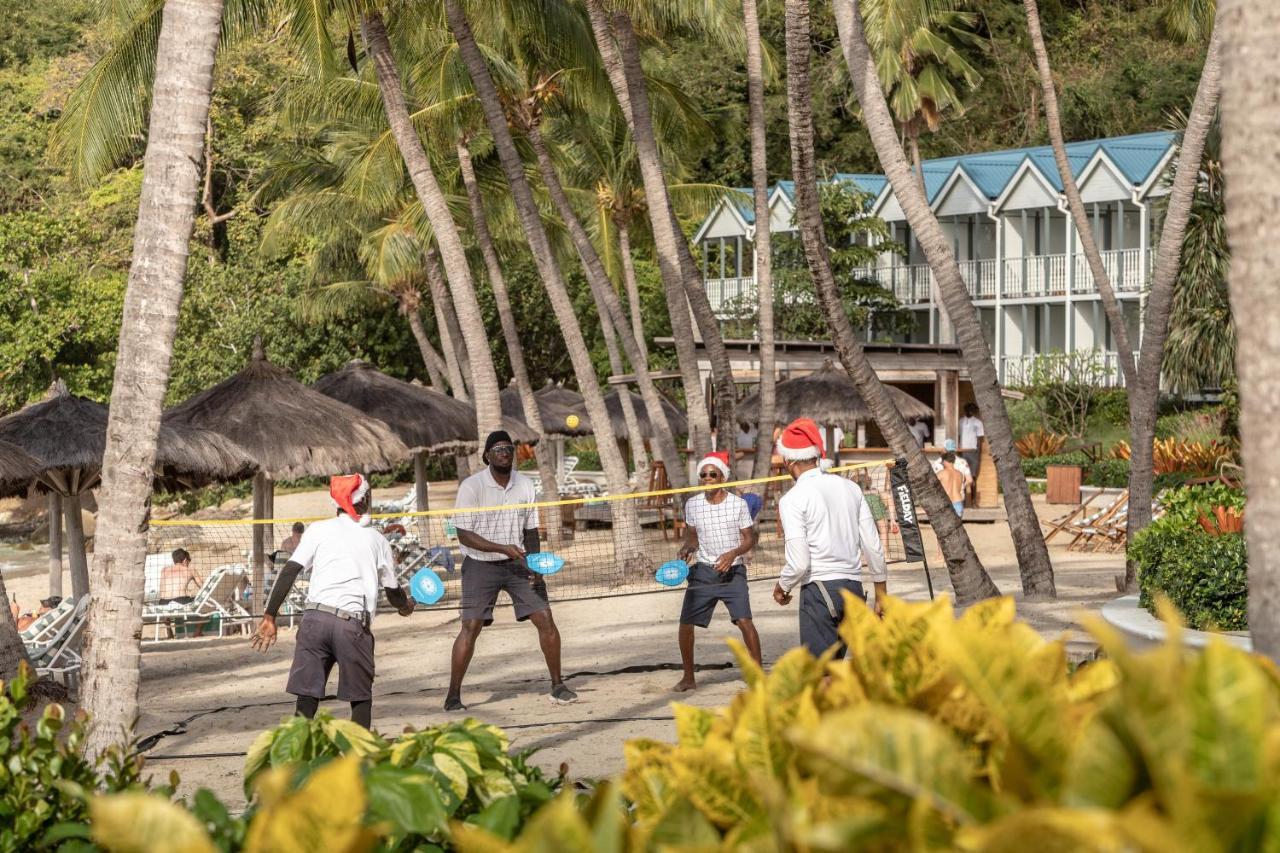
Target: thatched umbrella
column 427, row 421
column 289, row 430
column 18, row 469
column 558, row 404
column 676, row 418
column 830, row 398
column 67, row 436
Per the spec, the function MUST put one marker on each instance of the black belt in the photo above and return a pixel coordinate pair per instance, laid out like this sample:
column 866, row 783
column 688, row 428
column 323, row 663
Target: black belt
column 362, row 617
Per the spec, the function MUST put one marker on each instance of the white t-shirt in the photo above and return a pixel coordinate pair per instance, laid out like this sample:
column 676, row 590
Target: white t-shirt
column 828, row 528
column 348, row 563
column 501, row 527
column 719, row 526
column 970, row 431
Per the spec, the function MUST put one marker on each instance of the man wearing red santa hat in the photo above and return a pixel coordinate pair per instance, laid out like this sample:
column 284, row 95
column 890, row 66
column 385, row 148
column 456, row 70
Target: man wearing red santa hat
column 828, row 529
column 349, row 560
column 719, row 530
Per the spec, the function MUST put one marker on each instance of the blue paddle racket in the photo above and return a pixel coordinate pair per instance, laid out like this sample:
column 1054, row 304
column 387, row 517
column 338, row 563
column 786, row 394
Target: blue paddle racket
column 426, row 587
column 672, row 573
column 544, row 563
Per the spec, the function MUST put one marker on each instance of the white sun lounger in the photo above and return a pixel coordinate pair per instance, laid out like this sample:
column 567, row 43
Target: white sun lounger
column 59, row 655
column 216, row 598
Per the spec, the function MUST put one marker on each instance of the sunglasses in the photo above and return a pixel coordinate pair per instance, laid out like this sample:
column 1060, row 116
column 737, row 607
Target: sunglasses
column 710, row 475
column 502, row 448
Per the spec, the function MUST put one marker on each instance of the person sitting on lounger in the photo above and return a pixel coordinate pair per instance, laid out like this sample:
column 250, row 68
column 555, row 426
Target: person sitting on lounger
column 179, row 583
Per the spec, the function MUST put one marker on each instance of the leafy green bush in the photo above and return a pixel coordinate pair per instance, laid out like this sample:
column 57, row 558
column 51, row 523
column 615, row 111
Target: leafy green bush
column 1111, row 407
column 45, row 780
column 1035, row 467
column 1108, row 473
column 1203, row 575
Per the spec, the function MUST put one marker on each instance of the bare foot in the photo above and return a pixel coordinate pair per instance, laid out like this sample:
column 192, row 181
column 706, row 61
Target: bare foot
column 685, row 685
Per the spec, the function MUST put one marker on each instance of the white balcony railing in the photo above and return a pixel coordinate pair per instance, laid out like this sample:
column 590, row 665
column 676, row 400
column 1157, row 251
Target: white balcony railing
column 1014, row 369
column 724, row 293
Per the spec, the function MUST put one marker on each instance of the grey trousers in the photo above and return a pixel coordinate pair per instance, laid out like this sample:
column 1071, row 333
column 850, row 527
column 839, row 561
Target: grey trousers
column 820, row 614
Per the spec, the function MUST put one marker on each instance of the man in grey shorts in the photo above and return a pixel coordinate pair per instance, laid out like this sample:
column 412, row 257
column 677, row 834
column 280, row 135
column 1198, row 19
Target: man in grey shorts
column 494, row 544
column 349, row 560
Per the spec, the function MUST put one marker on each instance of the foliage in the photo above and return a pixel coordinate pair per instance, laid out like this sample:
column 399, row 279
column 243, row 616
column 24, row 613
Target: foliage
column 1035, row 466
column 944, row 733
column 1203, row 574
column 1108, row 474
column 1039, row 443
column 1111, row 407
column 1195, row 458
column 45, row 779
column 1195, row 424
column 854, row 241
column 1063, row 387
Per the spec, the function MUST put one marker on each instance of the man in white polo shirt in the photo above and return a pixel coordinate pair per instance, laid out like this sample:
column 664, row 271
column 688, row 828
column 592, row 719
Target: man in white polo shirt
column 494, row 544
column 349, row 560
column 828, row 529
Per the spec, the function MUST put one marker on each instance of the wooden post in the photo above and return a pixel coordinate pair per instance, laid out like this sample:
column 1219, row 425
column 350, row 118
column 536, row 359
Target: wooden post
column 258, row 556
column 269, row 511
column 76, row 557
column 55, row 544
column 420, row 493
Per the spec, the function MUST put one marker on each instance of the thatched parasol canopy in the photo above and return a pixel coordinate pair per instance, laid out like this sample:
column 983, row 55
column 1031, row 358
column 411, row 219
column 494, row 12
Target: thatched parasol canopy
column 676, row 419
column 289, row 429
column 569, row 402
column 65, row 434
column 830, row 398
column 422, row 418
column 554, row 416
column 17, row 470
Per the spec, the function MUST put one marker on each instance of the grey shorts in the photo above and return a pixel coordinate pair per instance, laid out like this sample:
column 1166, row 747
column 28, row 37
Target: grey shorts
column 482, row 581
column 323, row 640
column 707, row 586
column 818, row 624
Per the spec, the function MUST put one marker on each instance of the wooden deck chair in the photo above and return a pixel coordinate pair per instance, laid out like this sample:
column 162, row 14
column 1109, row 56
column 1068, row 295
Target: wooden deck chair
column 1062, row 522
column 663, row 504
column 1088, row 528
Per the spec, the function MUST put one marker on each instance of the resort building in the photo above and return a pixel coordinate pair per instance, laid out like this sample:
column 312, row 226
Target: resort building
column 1016, row 244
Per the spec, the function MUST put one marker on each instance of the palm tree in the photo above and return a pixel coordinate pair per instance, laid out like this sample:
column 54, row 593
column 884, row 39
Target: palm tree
column 1024, row 525
column 919, row 56
column 1251, row 147
column 185, row 52
column 620, row 52
column 511, row 335
column 1142, row 374
column 629, row 554
column 762, row 244
column 968, row 578
column 13, row 652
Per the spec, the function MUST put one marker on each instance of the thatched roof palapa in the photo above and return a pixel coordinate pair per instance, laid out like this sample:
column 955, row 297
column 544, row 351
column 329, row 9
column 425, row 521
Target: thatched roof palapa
column 65, row 433
column 17, row 470
column 830, row 398
column 290, row 430
column 554, row 416
column 422, row 418
column 676, row 418
column 569, row 402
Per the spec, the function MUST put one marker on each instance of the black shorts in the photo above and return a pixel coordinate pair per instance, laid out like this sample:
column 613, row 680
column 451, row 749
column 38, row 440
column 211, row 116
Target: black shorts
column 323, row 640
column 482, row 581
column 821, row 615
column 707, row 586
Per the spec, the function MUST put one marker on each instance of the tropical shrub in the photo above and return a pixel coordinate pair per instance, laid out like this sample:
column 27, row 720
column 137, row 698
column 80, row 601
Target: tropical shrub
column 1111, row 407
column 1108, row 474
column 1035, row 466
column 940, row 733
column 1203, row 572
column 45, row 779
column 1039, row 443
column 1196, row 458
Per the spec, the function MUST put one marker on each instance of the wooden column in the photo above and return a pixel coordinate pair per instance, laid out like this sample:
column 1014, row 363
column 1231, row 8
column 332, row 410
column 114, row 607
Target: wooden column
column 76, row 557
column 55, row 544
column 269, row 511
column 949, row 385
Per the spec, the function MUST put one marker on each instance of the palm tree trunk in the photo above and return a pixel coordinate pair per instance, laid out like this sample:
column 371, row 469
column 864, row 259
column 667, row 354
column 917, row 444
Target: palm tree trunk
column 969, row 579
column 629, row 554
column 1024, row 524
column 762, row 243
column 632, row 288
column 686, row 294
column 77, row 558
column 449, row 343
column 54, row 515
column 611, row 310
column 1142, row 378
column 13, row 652
column 1251, row 147
column 430, row 358
column 189, row 33
column 635, row 442
column 542, row 451
column 484, row 378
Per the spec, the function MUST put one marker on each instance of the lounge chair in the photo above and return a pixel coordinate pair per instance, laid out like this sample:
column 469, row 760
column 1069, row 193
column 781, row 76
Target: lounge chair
column 1087, row 531
column 216, row 602
column 59, row 654
column 48, row 624
column 571, row 486
column 1062, row 522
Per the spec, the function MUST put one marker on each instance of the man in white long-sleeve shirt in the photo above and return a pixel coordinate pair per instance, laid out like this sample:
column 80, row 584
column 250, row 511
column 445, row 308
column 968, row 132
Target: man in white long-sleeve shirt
column 828, row 529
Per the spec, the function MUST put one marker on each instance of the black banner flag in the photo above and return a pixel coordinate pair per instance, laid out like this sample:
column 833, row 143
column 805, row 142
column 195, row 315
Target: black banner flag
column 912, row 544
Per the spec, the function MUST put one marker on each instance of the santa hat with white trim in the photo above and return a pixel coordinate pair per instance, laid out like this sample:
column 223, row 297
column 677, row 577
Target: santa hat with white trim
column 717, row 459
column 346, row 491
column 800, row 440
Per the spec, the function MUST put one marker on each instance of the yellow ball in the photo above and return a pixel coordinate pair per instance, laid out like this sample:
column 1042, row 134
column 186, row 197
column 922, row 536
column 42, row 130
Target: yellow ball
column 572, row 421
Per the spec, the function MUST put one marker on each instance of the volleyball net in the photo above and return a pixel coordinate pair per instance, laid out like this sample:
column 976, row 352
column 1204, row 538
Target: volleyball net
column 610, row 545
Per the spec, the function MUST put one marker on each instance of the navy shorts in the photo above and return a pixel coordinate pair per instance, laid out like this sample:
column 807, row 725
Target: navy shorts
column 482, row 581
column 820, row 619
column 707, row 586
column 323, row 640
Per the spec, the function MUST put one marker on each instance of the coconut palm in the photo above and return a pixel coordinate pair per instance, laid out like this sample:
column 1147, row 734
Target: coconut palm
column 620, row 51
column 1142, row 373
column 629, row 555
column 919, row 50
column 1024, row 525
column 1250, row 32
column 969, row 579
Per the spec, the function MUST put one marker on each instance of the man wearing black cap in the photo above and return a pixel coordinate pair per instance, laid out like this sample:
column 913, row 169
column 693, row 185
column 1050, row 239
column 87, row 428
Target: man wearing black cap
column 494, row 544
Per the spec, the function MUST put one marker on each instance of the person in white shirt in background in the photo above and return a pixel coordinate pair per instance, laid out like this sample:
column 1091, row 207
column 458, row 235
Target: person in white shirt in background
column 828, row 529
column 920, row 429
column 349, row 561
column 971, row 434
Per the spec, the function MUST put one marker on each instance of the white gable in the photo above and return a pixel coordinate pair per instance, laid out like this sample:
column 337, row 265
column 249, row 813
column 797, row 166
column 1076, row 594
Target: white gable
column 959, row 197
column 1101, row 181
column 890, row 210
column 781, row 213
column 725, row 222
column 1028, row 189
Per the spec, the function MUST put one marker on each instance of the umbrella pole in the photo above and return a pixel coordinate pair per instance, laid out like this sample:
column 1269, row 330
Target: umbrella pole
column 420, row 493
column 269, row 511
column 76, row 557
column 258, row 567
column 55, row 544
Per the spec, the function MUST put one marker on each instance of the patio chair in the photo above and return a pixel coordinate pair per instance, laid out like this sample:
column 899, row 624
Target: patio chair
column 408, row 503
column 60, row 657
column 1087, row 529
column 48, row 624
column 1062, row 522
column 215, row 602
column 571, row 486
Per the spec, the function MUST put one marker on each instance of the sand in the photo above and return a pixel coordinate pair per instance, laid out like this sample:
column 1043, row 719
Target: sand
column 203, row 701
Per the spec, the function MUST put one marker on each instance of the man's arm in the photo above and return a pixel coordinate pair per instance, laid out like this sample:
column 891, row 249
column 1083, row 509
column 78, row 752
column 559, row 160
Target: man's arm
column 689, row 546
column 476, row 542
column 399, row 599
column 795, row 567
column 265, row 636
column 873, row 551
